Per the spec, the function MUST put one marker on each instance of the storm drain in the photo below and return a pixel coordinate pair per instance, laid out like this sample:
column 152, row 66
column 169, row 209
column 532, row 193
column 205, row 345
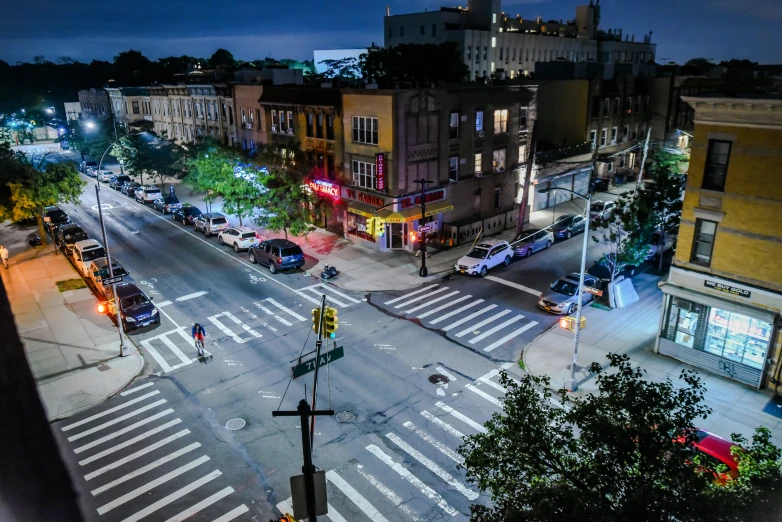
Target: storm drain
column 345, row 416
column 438, row 378
column 236, row 424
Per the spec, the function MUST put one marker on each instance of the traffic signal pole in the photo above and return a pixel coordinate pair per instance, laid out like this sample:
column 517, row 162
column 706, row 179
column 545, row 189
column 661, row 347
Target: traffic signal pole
column 318, row 345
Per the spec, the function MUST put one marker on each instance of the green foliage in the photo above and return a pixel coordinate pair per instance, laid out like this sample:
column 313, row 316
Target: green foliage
column 145, row 154
column 621, row 453
column 6, row 136
column 344, row 68
column 698, row 62
column 222, row 58
column 623, row 235
column 425, row 63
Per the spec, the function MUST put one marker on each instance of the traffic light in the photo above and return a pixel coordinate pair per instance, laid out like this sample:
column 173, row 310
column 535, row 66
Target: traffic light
column 370, row 225
column 380, row 227
column 413, row 237
column 330, row 323
column 316, row 320
column 569, row 323
column 103, row 307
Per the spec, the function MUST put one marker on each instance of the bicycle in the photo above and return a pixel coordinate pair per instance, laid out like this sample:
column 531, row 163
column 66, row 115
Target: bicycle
column 199, row 344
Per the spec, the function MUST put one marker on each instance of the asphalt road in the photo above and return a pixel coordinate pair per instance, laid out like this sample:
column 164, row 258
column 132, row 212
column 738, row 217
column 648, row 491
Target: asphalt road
column 405, row 391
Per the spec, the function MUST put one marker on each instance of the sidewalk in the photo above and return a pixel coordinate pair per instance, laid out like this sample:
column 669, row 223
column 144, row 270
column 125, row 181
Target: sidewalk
column 71, row 349
column 632, row 331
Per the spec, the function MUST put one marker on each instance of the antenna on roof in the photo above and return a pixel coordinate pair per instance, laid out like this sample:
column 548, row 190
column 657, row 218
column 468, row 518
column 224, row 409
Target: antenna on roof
column 388, row 10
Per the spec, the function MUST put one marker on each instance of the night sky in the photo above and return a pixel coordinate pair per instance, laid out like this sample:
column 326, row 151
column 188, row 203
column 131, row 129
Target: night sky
column 87, row 29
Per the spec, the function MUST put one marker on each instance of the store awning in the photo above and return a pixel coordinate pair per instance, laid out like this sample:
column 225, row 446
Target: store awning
column 362, row 209
column 411, row 214
column 716, row 302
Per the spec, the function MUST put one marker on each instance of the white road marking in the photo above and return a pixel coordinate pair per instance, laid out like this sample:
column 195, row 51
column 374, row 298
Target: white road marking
column 116, row 420
column 387, row 492
column 454, row 312
column 133, row 456
column 286, row 310
column 434, row 468
column 412, row 479
column 510, row 336
column 517, row 286
column 333, row 290
column 450, row 376
column 420, row 297
column 190, row 296
column 137, row 388
column 444, row 425
column 355, row 497
column 173, row 496
column 129, row 442
column 392, row 301
column 162, row 304
column 465, row 419
column 469, row 317
column 109, row 411
column 474, row 327
column 445, row 450
column 235, row 512
column 195, row 508
column 227, row 331
column 171, row 346
column 496, row 329
column 156, row 355
column 443, row 307
column 144, row 469
column 430, row 303
column 127, row 497
column 269, row 312
column 246, row 328
column 113, row 435
column 485, row 395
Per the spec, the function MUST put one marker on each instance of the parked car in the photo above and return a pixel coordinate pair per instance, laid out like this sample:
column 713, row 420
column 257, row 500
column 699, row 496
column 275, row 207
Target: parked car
column 99, row 270
column 66, row 236
column 659, row 244
column 277, row 254
column 104, row 175
column 91, row 171
column 562, row 297
column 64, row 145
column 533, row 240
column 129, row 189
column 485, row 256
column 601, row 209
column 85, row 164
column 117, row 181
column 135, row 308
column 210, row 223
column 239, row 238
column 146, row 194
column 166, row 204
column 54, row 217
column 85, row 252
column 186, row 214
column 568, row 226
column 719, row 451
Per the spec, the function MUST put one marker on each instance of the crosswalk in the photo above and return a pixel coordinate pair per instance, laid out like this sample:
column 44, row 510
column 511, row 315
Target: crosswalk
column 442, row 308
column 138, row 461
column 175, row 348
column 410, row 471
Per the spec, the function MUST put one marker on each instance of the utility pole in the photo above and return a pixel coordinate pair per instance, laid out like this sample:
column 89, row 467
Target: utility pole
column 643, row 161
column 527, row 180
column 318, row 345
column 422, row 237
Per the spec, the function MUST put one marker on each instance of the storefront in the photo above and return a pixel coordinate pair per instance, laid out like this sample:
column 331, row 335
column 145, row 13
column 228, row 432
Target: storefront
column 331, row 216
column 722, row 326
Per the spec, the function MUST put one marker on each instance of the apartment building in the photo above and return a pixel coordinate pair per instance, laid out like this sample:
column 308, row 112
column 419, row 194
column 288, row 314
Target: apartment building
column 130, row 105
column 94, row 103
column 191, row 112
column 722, row 299
column 251, row 129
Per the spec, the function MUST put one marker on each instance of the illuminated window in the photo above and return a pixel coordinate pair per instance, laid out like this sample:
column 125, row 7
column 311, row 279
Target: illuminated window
column 478, row 162
column 500, row 121
column 493, row 42
column 364, row 174
column 498, row 160
column 365, row 130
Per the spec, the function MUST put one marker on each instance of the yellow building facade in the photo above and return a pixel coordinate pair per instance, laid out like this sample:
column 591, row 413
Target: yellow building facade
column 723, row 297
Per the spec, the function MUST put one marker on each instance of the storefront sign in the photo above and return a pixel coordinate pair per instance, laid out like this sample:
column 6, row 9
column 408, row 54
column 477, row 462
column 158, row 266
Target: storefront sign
column 369, row 199
column 431, row 197
column 732, row 290
column 380, row 171
column 324, row 188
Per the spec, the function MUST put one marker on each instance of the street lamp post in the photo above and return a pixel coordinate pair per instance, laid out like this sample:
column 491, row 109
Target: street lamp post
column 423, row 272
column 571, row 384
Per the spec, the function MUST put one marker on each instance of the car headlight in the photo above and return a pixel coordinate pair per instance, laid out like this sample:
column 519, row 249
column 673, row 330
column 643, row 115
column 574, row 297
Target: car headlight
column 154, row 312
column 474, row 266
column 130, row 320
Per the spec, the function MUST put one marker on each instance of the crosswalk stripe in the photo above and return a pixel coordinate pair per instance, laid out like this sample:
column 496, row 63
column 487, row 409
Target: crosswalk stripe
column 333, row 290
column 286, row 310
column 497, row 328
column 190, row 296
column 510, row 336
column 485, row 395
column 235, row 512
column 113, row 435
column 137, row 388
column 517, row 286
column 129, row 442
column 171, row 346
column 227, row 331
column 144, row 469
column 412, row 479
column 110, row 411
column 269, row 312
column 421, row 297
column 156, row 355
column 445, row 450
column 320, row 289
column 465, row 419
column 195, row 508
column 355, row 497
column 134, row 456
column 431, row 466
column 116, row 420
column 457, row 311
column 478, row 325
column 451, row 377
column 497, row 386
column 469, row 317
column 127, row 497
column 443, row 307
column 173, row 496
column 246, row 328
column 307, row 297
column 430, row 303
column 416, row 292
column 387, row 492
column 444, row 425
column 334, row 515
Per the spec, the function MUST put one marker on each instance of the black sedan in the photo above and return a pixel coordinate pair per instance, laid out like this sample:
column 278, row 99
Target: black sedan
column 129, row 189
column 568, row 225
column 167, row 204
column 186, row 214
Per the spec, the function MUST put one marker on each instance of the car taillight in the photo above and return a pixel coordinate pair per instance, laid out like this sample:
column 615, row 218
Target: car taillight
column 257, row 236
column 279, row 260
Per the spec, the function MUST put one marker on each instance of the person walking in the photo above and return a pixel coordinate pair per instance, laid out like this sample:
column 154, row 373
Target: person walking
column 4, row 255
column 199, row 334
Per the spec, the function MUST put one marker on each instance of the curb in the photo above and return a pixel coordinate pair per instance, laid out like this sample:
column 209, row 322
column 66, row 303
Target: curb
column 524, row 350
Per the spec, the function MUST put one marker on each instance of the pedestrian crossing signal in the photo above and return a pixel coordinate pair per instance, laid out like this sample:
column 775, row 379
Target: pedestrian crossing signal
column 569, row 323
column 330, row 325
column 316, row 320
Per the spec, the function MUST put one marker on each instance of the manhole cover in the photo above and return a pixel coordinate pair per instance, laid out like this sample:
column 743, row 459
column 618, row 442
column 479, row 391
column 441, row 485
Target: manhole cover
column 235, row 424
column 104, row 367
column 345, row 416
column 438, row 378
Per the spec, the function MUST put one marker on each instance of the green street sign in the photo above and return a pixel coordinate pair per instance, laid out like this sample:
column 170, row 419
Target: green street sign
column 325, row 358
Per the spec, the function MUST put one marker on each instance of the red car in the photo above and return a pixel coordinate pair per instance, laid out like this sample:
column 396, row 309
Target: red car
column 718, row 451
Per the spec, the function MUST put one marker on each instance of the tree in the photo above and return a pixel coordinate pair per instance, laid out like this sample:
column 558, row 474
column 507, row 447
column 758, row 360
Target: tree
column 209, row 167
column 343, row 68
column 416, row 63
column 624, row 452
column 148, row 154
column 623, row 235
column 222, row 58
column 698, row 62
column 6, row 136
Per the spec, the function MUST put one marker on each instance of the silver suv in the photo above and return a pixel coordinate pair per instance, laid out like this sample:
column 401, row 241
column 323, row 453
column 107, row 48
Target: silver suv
column 210, row 223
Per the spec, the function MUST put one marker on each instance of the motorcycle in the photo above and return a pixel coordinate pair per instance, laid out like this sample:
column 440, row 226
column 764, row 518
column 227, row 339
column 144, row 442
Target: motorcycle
column 328, row 273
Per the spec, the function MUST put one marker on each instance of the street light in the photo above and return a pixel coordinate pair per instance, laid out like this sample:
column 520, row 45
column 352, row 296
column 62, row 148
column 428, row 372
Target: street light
column 572, row 386
column 90, row 125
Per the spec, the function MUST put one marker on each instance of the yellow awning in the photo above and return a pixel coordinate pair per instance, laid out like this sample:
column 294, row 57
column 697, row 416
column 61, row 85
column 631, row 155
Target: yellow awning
column 411, row 214
column 362, row 209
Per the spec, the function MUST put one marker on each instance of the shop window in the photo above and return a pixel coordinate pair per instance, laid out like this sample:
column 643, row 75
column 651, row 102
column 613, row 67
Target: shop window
column 454, row 126
column 453, row 169
column 357, row 226
column 716, row 165
column 703, row 244
column 737, row 337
